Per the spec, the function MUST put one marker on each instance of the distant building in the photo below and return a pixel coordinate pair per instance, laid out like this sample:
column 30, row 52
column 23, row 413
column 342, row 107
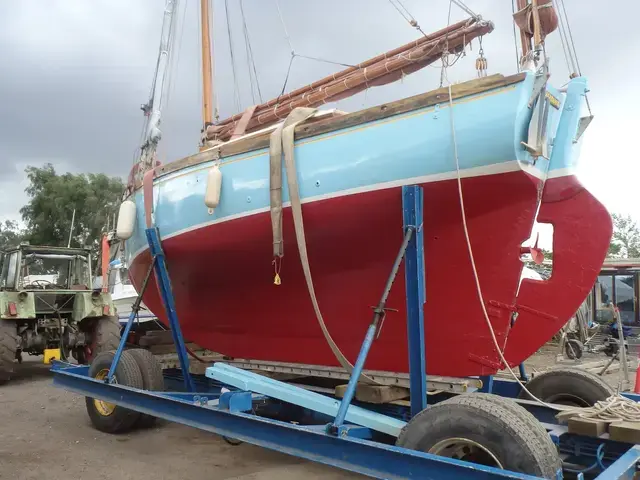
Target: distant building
column 617, row 284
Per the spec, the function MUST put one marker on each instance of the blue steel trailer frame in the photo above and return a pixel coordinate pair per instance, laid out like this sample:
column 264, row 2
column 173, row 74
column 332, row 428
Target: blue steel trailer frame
column 236, row 413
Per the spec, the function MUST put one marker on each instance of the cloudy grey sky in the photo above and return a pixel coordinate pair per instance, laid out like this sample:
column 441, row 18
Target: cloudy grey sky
column 73, row 74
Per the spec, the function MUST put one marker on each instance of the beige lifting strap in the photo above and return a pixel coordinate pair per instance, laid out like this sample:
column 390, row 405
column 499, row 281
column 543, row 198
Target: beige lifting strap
column 282, row 139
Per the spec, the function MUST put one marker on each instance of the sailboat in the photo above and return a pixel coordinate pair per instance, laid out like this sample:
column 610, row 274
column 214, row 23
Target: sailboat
column 494, row 156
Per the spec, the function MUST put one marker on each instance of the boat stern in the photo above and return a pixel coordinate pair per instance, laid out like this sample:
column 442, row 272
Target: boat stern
column 582, row 230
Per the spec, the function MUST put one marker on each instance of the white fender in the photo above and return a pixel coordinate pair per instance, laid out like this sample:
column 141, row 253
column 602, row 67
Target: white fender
column 126, row 220
column 214, row 186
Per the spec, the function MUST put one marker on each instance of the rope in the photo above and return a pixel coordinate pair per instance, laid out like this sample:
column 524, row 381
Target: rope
column 174, row 65
column 472, row 258
column 616, row 408
column 168, row 78
column 571, row 46
column 326, row 61
column 250, row 60
column 284, row 27
column 233, row 61
column 515, row 36
column 568, row 56
column 286, row 78
column 466, row 9
column 572, row 43
column 407, row 15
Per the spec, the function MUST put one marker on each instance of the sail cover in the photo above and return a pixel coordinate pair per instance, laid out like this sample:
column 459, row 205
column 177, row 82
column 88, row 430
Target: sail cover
column 380, row 70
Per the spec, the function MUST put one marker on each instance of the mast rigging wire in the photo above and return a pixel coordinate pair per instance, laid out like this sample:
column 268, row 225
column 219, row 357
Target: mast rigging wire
column 251, row 64
column 284, row 27
column 564, row 38
column 407, row 15
column 515, row 34
column 233, row 61
column 571, row 43
column 294, row 55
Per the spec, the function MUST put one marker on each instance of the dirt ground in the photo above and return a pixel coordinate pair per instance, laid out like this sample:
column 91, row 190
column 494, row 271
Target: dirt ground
column 45, row 433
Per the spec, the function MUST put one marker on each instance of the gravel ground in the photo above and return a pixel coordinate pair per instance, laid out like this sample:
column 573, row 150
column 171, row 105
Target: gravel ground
column 46, row 434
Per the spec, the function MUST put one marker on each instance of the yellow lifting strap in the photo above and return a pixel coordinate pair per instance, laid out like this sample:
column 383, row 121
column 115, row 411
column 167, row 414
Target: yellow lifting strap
column 282, row 140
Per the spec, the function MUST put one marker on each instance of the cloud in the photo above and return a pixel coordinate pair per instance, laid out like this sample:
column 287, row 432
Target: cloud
column 74, row 74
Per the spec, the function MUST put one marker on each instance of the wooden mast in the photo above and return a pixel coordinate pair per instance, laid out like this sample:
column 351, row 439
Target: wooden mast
column 537, row 34
column 207, row 83
column 524, row 38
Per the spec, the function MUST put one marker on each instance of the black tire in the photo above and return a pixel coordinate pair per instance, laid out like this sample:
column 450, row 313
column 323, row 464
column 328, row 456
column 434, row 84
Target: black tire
column 573, row 348
column 568, row 386
column 105, row 336
column 128, row 373
column 152, row 379
column 8, row 348
column 540, row 432
column 507, row 434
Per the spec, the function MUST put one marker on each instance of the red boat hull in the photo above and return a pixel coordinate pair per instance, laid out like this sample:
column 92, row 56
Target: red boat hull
column 222, row 275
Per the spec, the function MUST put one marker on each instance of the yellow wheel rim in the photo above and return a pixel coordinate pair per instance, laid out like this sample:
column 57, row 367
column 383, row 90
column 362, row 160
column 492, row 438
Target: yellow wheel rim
column 103, row 408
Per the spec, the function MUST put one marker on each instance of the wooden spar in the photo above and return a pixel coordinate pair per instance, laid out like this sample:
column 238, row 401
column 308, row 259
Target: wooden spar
column 207, row 97
column 387, row 69
column 525, row 40
column 330, row 78
column 537, row 34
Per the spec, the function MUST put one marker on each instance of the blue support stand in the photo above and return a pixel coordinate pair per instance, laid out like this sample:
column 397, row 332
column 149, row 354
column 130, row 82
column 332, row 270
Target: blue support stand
column 164, row 284
column 412, row 252
column 158, row 265
column 412, row 198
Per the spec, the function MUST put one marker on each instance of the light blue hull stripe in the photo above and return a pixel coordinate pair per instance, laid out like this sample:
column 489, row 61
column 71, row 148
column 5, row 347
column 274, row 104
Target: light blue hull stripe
column 415, row 145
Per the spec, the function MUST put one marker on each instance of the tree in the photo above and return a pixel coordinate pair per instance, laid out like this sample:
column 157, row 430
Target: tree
column 625, row 242
column 10, row 234
column 53, row 199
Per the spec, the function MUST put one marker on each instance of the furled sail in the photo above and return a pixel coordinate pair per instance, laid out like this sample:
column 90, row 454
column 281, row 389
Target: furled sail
column 380, row 70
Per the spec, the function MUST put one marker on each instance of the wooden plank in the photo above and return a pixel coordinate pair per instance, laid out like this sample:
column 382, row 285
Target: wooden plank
column 161, row 337
column 429, row 99
column 375, row 393
column 628, row 432
column 164, row 349
column 587, row 426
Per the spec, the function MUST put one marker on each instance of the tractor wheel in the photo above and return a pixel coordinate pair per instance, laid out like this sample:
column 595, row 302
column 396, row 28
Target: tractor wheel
column 8, row 348
column 483, row 429
column 568, row 386
column 152, row 379
column 105, row 336
column 105, row 416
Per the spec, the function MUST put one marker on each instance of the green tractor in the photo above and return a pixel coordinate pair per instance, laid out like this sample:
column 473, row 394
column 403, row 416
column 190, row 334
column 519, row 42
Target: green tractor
column 48, row 307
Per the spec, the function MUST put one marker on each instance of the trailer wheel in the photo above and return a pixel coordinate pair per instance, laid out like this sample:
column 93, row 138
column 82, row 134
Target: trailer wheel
column 8, row 349
column 105, row 336
column 573, row 348
column 152, row 379
column 484, row 429
column 568, row 386
column 106, row 416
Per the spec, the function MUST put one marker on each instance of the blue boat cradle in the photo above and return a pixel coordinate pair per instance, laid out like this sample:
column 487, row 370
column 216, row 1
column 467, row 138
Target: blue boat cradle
column 316, row 402
column 230, row 402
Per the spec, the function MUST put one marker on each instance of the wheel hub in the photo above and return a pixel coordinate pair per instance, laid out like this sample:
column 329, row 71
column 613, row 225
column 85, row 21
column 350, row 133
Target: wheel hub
column 466, row 450
column 103, row 408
